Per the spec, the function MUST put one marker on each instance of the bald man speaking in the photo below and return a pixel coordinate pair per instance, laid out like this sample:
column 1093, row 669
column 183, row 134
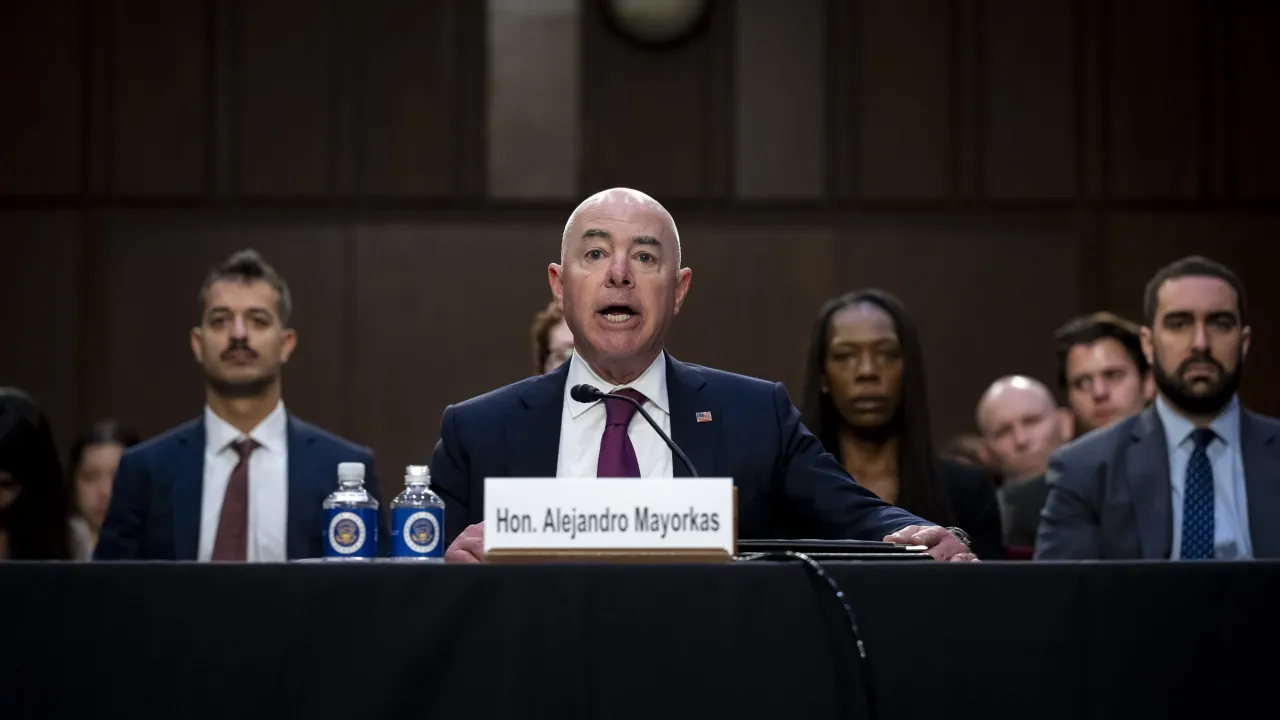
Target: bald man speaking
column 620, row 285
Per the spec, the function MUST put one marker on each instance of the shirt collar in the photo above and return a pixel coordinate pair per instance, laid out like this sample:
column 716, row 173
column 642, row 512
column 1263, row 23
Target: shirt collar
column 652, row 383
column 1178, row 429
column 270, row 434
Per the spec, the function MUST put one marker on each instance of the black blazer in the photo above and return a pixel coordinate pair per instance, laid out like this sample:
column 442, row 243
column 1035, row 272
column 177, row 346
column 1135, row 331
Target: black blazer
column 788, row 486
column 971, row 493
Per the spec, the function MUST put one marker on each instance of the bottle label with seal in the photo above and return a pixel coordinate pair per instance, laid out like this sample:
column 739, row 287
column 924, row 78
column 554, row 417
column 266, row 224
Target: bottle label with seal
column 417, row 532
column 351, row 533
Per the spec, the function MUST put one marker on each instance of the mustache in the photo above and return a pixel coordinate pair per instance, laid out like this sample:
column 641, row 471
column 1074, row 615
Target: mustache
column 1200, row 357
column 238, row 345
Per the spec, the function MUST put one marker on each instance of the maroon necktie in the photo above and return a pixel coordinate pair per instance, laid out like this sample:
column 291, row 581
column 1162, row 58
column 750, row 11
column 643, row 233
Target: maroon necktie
column 617, row 455
column 232, row 541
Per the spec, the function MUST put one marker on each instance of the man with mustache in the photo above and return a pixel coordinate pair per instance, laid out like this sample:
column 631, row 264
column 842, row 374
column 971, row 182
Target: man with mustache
column 620, row 283
column 244, row 482
column 1194, row 477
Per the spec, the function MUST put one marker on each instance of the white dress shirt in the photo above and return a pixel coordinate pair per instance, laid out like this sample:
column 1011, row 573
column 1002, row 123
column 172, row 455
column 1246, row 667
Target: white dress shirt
column 1230, row 507
column 582, row 424
column 268, row 484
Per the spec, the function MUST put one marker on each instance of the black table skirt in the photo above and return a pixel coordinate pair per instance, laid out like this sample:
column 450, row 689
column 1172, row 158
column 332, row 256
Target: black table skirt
column 996, row 640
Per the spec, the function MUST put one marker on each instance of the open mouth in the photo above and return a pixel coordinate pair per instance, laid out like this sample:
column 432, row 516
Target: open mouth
column 618, row 314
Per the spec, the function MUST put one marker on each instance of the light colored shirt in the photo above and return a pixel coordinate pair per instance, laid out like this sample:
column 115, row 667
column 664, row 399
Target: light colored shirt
column 582, row 424
column 268, row 484
column 1230, row 506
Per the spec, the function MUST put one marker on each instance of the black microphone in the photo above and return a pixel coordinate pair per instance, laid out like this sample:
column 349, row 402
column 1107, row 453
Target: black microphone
column 585, row 393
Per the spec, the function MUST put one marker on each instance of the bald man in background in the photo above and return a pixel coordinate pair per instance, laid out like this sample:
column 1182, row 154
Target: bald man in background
column 620, row 284
column 1021, row 426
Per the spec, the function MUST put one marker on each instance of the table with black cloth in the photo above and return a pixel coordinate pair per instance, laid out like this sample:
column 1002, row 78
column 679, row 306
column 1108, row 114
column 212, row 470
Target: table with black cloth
column 769, row 640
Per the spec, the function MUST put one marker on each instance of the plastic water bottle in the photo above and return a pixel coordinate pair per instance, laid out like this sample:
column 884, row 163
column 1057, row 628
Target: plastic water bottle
column 350, row 517
column 417, row 519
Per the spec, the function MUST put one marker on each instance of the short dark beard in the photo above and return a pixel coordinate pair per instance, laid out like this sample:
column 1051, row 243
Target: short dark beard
column 256, row 387
column 1181, row 397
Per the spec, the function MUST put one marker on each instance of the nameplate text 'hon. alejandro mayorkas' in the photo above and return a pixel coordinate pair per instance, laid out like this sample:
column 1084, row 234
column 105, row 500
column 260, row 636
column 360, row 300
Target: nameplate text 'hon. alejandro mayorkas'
column 608, row 514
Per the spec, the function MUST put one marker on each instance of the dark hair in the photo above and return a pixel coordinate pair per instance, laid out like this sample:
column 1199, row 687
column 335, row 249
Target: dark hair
column 1193, row 266
column 1089, row 329
column 540, row 333
column 919, row 487
column 37, row 519
column 246, row 266
column 102, row 431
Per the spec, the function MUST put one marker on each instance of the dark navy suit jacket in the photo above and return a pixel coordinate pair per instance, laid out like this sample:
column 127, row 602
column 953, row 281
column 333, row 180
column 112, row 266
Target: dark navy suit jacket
column 155, row 501
column 788, row 486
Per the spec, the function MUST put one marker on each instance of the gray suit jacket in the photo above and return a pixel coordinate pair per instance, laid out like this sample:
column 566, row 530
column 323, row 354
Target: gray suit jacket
column 1109, row 496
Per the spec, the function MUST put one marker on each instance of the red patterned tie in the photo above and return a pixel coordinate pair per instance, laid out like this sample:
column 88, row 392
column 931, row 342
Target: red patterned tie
column 232, row 541
column 617, row 455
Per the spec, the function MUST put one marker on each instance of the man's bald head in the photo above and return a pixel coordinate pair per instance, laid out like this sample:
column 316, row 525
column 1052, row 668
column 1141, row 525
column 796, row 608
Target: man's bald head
column 616, row 200
column 619, row 281
column 1021, row 426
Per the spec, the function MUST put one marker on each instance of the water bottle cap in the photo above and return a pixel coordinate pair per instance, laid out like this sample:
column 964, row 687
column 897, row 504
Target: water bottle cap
column 417, row 473
column 351, row 471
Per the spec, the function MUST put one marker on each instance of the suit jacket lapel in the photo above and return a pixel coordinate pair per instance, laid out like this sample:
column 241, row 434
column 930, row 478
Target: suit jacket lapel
column 305, row 493
column 533, row 433
column 1262, row 484
column 699, row 440
column 1148, row 473
column 187, row 492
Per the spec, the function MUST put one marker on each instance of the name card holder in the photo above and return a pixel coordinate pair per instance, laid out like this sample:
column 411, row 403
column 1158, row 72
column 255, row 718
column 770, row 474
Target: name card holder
column 623, row 520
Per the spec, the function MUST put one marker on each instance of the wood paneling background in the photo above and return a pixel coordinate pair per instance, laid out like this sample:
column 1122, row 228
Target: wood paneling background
column 1000, row 165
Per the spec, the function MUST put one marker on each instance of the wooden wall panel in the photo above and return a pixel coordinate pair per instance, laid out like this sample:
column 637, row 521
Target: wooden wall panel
column 405, row 97
column 441, row 313
column 779, row 99
column 1138, row 245
column 534, row 108
column 986, row 292
column 160, row 101
column 1156, row 121
column 1030, row 99
column 902, row 97
column 1255, row 112
column 39, row 308
column 755, row 291
column 286, row 118
column 154, row 264
column 657, row 121
column 42, row 86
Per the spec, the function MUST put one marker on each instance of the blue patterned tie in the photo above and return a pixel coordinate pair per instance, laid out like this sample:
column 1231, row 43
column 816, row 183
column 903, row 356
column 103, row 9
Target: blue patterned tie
column 1197, row 501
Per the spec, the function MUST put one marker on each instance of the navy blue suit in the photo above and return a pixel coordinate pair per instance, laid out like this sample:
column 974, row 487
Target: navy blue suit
column 788, row 486
column 155, row 500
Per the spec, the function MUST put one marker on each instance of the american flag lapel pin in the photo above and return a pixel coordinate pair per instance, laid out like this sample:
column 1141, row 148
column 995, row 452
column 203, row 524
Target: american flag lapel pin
column 703, row 416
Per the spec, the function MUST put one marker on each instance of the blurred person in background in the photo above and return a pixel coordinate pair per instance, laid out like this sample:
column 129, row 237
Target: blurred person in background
column 95, row 455
column 34, row 503
column 1102, row 370
column 1021, row 426
column 966, row 449
column 552, row 340
column 865, row 399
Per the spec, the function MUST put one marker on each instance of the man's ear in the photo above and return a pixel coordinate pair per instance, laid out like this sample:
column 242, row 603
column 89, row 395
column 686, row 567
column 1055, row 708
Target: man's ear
column 984, row 454
column 197, row 344
column 1067, row 423
column 555, row 273
column 684, row 276
column 289, row 344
